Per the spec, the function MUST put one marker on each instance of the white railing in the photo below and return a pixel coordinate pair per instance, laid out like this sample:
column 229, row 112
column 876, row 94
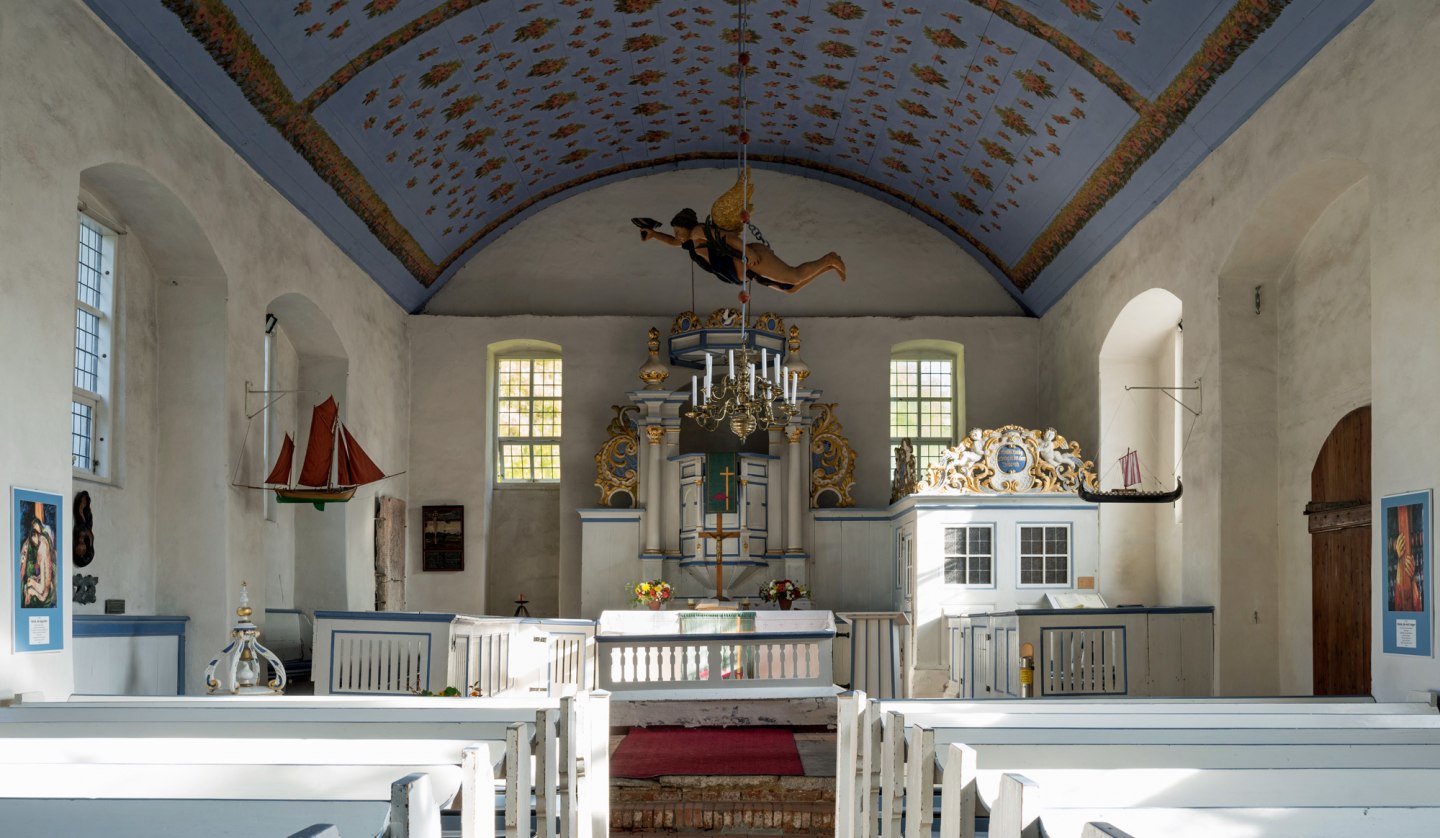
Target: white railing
column 879, row 652
column 636, row 652
column 380, row 653
column 1083, row 661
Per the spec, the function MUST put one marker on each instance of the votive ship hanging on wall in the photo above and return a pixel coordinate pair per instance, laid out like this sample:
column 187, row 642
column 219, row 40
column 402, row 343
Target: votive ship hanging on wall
column 334, row 467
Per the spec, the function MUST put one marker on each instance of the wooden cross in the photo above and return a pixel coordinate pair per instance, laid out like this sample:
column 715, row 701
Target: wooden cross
column 720, row 534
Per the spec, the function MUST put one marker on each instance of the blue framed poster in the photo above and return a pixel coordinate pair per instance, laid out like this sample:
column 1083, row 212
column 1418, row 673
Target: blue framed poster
column 37, row 562
column 1406, row 603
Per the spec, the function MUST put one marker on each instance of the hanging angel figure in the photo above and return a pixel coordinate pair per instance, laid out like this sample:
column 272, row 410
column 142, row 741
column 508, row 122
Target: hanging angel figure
column 715, row 244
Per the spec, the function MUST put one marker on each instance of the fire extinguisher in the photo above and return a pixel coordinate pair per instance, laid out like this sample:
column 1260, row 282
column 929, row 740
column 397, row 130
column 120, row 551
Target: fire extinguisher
column 1027, row 670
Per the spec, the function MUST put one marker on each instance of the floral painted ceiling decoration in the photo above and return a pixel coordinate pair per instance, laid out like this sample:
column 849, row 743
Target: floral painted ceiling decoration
column 1034, row 133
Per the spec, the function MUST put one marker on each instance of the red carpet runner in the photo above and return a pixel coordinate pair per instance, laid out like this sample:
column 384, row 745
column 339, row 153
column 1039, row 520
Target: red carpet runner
column 648, row 752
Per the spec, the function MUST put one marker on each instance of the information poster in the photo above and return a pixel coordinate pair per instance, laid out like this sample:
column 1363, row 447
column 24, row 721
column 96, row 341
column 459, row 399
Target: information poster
column 1405, row 548
column 36, row 563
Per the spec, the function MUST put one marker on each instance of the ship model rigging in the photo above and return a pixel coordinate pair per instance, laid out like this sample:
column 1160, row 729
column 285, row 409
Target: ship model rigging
column 1129, row 478
column 334, row 466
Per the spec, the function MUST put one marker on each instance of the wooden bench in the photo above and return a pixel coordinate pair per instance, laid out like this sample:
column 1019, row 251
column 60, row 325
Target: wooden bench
column 1186, row 802
column 989, row 738
column 297, row 752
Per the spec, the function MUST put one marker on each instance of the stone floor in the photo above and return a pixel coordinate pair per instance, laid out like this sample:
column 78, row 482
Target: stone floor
column 733, row 806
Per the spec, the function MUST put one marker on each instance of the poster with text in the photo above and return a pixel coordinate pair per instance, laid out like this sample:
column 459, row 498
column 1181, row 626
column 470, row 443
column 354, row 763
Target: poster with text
column 1406, row 597
column 37, row 562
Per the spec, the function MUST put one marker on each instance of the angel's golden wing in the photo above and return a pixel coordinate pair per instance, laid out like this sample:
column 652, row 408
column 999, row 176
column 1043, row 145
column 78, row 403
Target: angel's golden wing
column 725, row 212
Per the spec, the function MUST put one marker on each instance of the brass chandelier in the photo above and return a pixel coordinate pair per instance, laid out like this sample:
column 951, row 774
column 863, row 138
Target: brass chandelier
column 756, row 397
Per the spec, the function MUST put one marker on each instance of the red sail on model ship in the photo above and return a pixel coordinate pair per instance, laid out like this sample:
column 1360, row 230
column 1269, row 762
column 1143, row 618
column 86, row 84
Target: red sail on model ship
column 1130, row 468
column 353, row 467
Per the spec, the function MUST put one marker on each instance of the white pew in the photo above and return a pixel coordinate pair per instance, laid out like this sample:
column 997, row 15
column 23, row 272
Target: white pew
column 920, row 708
column 299, row 748
column 1295, row 802
column 1019, row 735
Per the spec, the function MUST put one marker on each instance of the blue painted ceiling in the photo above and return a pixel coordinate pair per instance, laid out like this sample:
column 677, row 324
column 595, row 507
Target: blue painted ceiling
column 1034, row 133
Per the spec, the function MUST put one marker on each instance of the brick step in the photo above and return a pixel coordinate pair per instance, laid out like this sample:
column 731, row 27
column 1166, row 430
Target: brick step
column 724, row 805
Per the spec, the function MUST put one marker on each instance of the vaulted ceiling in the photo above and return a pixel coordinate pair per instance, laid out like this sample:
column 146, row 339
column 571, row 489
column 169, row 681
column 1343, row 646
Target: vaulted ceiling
column 1033, row 133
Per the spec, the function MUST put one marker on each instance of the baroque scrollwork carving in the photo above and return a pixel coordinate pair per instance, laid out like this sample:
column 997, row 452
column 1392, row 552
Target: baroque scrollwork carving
column 615, row 463
column 907, row 471
column 832, row 460
column 1010, row 460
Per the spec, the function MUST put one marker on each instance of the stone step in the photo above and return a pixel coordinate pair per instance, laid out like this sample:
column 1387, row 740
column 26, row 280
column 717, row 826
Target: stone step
column 724, row 805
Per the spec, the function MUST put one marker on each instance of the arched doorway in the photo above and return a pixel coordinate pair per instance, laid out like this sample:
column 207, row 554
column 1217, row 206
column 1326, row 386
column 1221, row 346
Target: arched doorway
column 1339, row 516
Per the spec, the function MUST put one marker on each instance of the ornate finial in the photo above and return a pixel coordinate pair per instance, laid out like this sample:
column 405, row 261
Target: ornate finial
column 652, row 372
column 244, row 611
column 240, row 665
column 797, row 366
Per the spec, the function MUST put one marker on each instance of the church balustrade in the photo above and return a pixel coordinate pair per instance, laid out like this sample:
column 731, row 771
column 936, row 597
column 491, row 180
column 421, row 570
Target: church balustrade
column 726, row 650
column 381, row 653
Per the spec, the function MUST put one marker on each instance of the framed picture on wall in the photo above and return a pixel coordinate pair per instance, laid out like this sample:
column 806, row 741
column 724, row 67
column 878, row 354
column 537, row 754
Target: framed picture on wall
column 442, row 533
column 1406, row 597
column 36, row 562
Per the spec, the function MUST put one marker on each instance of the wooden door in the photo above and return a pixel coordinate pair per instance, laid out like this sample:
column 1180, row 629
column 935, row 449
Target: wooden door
column 1339, row 516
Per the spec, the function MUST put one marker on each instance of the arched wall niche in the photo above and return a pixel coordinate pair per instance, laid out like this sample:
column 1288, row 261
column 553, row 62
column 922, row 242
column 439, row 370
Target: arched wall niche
column 1140, row 543
column 1294, row 316
column 173, row 407
column 308, row 563
column 522, row 522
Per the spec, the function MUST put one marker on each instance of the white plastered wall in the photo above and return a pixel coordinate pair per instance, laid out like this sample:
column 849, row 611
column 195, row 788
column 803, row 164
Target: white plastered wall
column 849, row 361
column 1343, row 113
column 75, row 98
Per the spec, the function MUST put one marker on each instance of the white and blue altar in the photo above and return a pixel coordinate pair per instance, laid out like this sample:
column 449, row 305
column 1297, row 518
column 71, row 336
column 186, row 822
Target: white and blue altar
column 712, row 513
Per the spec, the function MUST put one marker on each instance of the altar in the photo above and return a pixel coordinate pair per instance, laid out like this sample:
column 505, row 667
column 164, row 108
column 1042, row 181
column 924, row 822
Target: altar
column 640, row 653
column 714, row 510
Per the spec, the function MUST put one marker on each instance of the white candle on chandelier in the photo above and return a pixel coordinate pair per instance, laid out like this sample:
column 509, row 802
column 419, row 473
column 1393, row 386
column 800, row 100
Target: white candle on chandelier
column 785, row 384
column 778, row 378
column 764, row 373
column 732, row 363
column 694, row 391
column 752, row 380
column 708, row 360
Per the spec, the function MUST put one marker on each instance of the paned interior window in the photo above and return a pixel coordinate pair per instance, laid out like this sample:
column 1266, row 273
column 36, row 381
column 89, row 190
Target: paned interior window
column 970, row 555
column 527, row 404
column 1045, row 555
column 94, row 309
column 922, row 406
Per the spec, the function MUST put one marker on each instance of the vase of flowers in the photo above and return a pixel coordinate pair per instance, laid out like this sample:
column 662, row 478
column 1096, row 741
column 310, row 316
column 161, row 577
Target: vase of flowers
column 651, row 594
column 783, row 592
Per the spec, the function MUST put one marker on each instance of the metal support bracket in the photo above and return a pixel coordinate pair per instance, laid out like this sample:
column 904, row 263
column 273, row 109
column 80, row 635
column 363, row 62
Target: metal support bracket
column 1171, row 391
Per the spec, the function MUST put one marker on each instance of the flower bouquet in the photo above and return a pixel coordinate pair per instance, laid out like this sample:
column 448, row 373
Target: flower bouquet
column 652, row 594
column 783, row 591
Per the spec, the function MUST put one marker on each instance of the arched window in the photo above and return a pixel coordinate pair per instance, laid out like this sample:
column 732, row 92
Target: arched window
column 528, row 390
column 927, row 397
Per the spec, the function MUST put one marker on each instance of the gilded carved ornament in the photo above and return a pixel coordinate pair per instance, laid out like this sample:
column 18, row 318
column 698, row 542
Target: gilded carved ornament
column 1009, row 460
column 615, row 463
column 652, row 372
column 832, row 460
column 655, row 433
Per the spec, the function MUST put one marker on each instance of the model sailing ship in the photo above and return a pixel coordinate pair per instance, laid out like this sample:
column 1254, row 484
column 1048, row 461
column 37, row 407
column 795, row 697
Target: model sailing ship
column 334, row 467
column 1130, row 477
